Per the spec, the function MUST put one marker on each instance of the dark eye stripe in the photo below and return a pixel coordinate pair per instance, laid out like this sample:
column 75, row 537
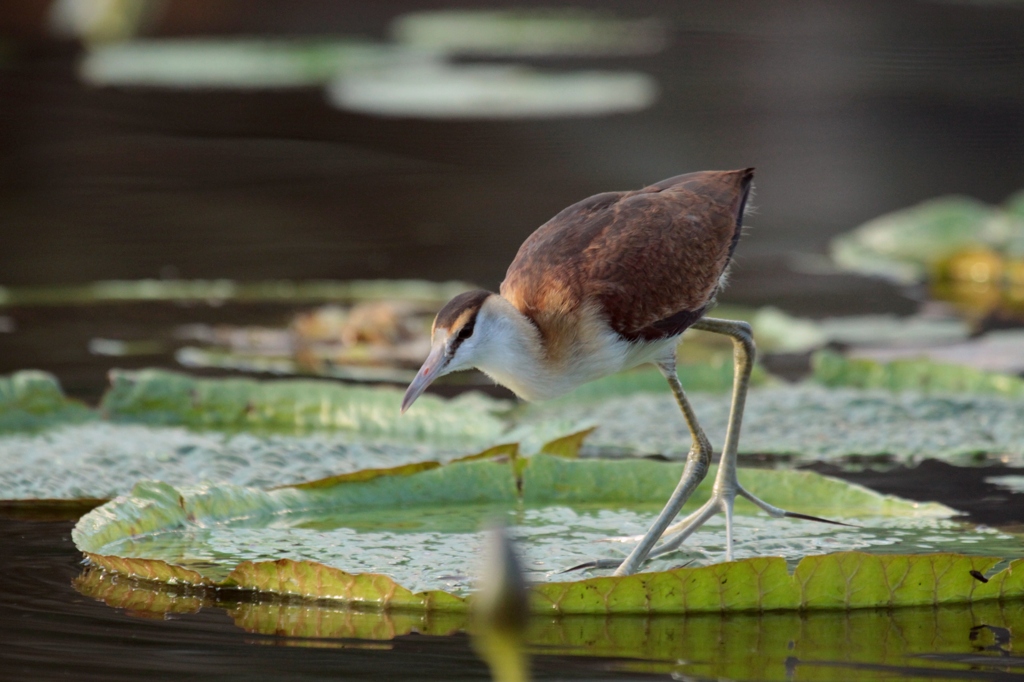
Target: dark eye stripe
column 464, row 333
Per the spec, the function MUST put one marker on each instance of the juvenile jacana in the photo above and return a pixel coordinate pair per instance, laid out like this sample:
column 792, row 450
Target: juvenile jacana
column 608, row 284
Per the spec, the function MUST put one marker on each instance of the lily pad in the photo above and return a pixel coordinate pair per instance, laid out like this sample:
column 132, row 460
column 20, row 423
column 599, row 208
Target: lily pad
column 404, row 540
column 713, row 377
column 238, row 431
column 235, row 63
column 99, row 459
column 546, row 32
column 32, row 400
column 488, row 91
column 806, row 422
column 160, row 397
column 907, row 244
column 122, row 291
column 922, row 375
column 1000, row 351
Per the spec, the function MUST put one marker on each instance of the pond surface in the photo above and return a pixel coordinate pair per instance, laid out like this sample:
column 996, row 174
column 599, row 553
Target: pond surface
column 847, row 109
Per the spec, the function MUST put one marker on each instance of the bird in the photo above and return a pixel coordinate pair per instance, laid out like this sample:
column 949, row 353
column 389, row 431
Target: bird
column 608, row 284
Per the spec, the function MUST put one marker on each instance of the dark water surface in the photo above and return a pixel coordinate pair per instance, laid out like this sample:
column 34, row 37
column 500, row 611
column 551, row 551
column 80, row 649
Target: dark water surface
column 847, row 109
column 49, row 631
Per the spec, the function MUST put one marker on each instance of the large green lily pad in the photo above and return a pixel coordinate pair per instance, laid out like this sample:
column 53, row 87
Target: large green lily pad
column 404, row 540
column 185, row 431
column 99, row 459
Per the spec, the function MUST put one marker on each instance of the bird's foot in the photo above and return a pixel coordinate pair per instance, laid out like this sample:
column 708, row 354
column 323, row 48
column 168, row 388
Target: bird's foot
column 722, row 500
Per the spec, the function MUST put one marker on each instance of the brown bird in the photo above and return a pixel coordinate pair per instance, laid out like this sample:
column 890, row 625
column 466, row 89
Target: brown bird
column 608, row 284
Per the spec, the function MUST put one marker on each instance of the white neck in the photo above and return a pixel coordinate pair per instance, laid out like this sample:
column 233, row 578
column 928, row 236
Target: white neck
column 509, row 348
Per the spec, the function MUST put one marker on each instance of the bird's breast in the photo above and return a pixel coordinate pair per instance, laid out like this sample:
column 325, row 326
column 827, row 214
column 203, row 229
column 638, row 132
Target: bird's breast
column 578, row 363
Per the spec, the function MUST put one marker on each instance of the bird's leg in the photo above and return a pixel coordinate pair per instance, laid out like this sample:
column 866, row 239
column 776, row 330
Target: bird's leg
column 727, row 485
column 697, row 463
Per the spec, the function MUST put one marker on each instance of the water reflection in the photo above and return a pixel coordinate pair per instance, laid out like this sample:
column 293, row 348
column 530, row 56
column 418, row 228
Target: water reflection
column 878, row 644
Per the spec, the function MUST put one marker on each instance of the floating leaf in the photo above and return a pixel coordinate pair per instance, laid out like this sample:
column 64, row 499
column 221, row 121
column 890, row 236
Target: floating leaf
column 436, row 90
column 278, row 541
column 100, row 459
column 998, row 351
column 546, row 32
column 362, row 429
column 805, row 421
column 712, row 377
column 234, row 63
column 32, row 400
column 775, row 331
column 1011, row 482
column 905, row 245
column 309, row 291
column 841, row 581
column 160, row 397
column 926, row 376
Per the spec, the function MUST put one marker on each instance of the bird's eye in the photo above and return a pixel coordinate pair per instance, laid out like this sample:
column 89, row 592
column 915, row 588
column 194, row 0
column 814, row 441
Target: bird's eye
column 464, row 333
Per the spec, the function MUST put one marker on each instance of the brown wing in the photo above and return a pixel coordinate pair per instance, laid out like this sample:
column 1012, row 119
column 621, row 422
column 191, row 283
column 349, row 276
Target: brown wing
column 650, row 260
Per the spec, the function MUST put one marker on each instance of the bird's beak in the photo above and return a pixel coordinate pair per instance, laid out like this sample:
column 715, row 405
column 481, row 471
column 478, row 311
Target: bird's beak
column 432, row 368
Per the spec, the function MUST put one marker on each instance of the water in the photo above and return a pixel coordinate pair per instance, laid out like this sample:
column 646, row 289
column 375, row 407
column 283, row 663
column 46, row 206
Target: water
column 848, row 110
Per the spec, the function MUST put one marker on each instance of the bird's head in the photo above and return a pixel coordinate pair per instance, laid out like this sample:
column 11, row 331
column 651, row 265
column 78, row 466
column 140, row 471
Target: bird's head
column 454, row 341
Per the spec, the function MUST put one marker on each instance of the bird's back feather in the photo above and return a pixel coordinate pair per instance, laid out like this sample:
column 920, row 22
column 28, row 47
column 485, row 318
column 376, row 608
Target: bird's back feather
column 647, row 262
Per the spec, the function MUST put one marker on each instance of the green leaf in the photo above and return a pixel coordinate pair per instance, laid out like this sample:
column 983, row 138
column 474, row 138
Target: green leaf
column 926, row 376
column 556, row 480
column 349, row 428
column 405, row 540
column 713, row 377
column 309, row 291
column 805, row 421
column 906, row 244
column 99, row 459
column 518, row 32
column 159, row 397
column 233, row 63
column 32, row 400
